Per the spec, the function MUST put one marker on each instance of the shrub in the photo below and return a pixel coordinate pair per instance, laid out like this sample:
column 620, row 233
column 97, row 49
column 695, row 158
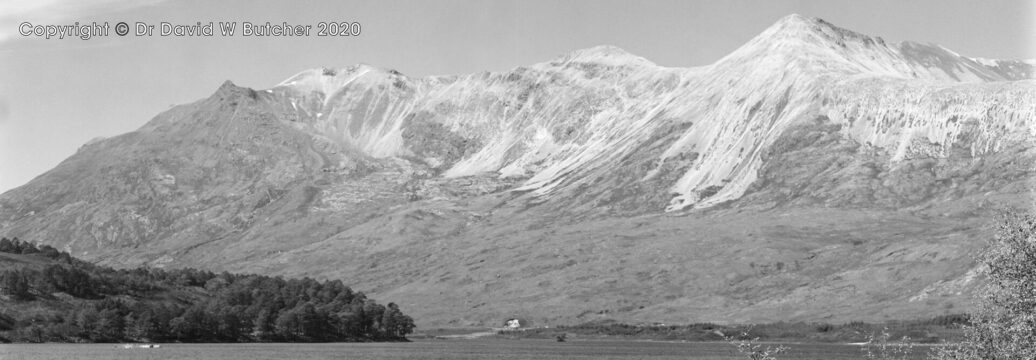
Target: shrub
column 879, row 347
column 749, row 347
column 1004, row 327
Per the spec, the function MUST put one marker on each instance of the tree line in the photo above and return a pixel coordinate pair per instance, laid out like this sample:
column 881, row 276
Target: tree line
column 101, row 304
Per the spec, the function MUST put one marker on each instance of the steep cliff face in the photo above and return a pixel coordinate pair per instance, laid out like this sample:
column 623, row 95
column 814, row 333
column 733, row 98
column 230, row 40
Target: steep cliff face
column 813, row 173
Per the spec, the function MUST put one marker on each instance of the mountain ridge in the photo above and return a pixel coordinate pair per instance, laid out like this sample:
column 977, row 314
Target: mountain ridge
column 762, row 187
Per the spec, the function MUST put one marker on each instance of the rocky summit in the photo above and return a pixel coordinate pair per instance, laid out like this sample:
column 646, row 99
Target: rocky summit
column 813, row 174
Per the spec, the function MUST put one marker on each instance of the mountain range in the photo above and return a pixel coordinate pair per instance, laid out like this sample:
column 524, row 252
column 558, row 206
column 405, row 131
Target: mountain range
column 813, row 174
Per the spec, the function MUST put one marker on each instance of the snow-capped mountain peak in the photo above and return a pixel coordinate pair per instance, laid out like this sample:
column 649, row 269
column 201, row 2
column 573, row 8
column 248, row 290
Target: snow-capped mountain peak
column 330, row 80
column 604, row 54
column 560, row 121
column 819, row 48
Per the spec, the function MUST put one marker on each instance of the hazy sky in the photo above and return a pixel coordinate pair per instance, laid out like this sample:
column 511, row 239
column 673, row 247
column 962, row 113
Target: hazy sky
column 57, row 94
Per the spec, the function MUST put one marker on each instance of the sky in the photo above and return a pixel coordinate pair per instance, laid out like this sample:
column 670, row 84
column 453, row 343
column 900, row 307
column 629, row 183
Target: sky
column 57, row 94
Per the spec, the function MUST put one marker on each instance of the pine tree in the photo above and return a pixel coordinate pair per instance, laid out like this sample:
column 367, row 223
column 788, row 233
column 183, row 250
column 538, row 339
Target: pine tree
column 310, row 322
column 397, row 325
column 388, row 320
column 287, row 325
column 262, row 325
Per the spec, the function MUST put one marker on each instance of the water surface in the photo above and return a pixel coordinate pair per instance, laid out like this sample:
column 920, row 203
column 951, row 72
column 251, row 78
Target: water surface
column 424, row 349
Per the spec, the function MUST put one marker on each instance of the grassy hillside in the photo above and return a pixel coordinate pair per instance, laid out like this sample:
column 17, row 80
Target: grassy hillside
column 49, row 296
